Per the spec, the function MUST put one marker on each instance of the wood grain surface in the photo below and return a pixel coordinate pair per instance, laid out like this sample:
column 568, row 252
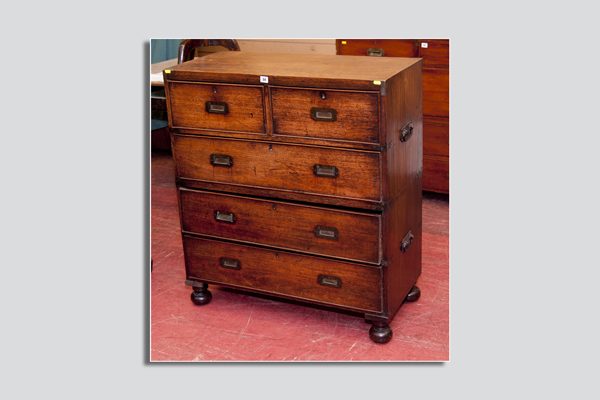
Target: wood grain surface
column 356, row 114
column 436, row 139
column 391, row 47
column 303, row 70
column 436, row 174
column 283, row 273
column 245, row 106
column 279, row 166
column 283, row 225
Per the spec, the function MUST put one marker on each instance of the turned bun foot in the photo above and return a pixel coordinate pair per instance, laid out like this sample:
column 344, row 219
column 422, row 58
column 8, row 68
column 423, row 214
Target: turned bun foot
column 201, row 295
column 413, row 295
column 380, row 333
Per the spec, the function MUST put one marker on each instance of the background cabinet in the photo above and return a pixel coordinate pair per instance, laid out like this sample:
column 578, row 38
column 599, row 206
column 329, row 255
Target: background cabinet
column 436, row 99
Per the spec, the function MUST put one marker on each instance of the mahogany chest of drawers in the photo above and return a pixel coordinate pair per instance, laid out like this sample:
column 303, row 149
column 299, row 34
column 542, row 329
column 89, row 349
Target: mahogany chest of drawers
column 436, row 100
column 299, row 176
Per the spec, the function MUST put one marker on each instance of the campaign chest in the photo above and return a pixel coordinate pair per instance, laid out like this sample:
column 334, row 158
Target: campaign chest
column 300, row 176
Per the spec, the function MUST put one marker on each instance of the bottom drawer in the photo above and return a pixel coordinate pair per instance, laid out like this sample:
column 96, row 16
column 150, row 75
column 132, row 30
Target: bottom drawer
column 436, row 174
column 350, row 285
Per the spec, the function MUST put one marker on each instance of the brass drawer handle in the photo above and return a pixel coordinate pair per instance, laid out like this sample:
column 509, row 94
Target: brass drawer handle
column 327, row 171
column 406, row 132
column 326, row 232
column 375, row 52
column 215, row 107
column 407, row 241
column 221, row 160
column 331, row 281
column 323, row 114
column 225, row 217
column 230, row 263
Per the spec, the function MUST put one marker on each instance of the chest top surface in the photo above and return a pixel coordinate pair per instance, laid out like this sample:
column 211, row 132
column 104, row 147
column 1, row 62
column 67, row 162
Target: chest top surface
column 351, row 72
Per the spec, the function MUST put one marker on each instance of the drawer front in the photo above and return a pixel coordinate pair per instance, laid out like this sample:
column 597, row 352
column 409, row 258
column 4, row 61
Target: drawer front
column 320, row 170
column 436, row 98
column 300, row 276
column 217, row 106
column 436, row 174
column 326, row 114
column 436, row 53
column 436, row 139
column 378, row 47
column 321, row 231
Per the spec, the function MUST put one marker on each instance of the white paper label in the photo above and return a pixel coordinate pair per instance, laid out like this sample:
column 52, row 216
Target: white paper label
column 424, row 45
column 264, row 79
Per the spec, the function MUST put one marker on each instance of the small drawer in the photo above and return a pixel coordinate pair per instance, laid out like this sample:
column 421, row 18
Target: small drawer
column 436, row 174
column 316, row 230
column 217, row 106
column 326, row 171
column 436, row 139
column 436, row 97
column 435, row 52
column 340, row 283
column 326, row 114
column 378, row 47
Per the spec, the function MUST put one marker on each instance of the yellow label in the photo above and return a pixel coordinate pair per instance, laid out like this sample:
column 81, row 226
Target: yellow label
column 167, row 71
column 376, row 82
column 343, row 42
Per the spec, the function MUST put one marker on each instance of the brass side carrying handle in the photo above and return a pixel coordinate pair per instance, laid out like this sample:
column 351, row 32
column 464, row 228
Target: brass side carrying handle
column 221, row 160
column 407, row 241
column 375, row 52
column 406, row 132
column 323, row 114
column 326, row 232
column 332, row 281
column 216, row 107
column 327, row 171
column 225, row 217
column 230, row 263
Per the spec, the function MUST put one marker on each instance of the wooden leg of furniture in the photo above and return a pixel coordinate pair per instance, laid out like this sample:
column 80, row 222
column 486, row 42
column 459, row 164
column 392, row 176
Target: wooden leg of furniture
column 380, row 332
column 413, row 295
column 201, row 295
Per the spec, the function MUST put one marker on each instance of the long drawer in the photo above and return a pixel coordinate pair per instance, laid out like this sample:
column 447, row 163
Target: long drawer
column 316, row 230
column 436, row 174
column 345, row 284
column 326, row 114
column 308, row 169
column 436, row 139
column 217, row 106
column 435, row 52
column 378, row 47
column 436, row 86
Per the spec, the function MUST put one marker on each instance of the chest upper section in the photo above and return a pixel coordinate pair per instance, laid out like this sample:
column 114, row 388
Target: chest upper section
column 326, row 100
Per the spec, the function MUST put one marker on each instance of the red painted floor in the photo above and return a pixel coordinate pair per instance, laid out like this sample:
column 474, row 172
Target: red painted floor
column 237, row 326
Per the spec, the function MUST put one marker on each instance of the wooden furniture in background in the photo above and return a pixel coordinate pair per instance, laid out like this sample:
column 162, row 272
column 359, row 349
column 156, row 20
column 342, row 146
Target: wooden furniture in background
column 286, row 188
column 191, row 48
column 436, row 99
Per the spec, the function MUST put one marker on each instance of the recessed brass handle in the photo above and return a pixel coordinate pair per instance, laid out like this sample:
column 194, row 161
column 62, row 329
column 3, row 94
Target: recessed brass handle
column 215, row 107
column 332, row 281
column 323, row 114
column 225, row 217
column 221, row 160
column 326, row 232
column 327, row 171
column 406, row 132
column 375, row 52
column 230, row 263
column 407, row 241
